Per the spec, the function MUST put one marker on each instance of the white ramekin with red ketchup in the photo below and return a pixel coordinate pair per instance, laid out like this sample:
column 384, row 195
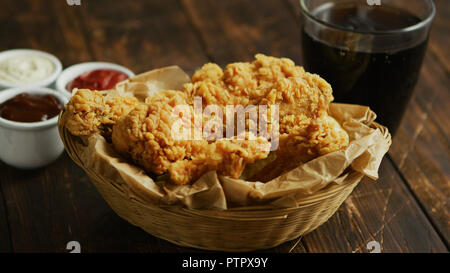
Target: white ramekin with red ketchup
column 92, row 75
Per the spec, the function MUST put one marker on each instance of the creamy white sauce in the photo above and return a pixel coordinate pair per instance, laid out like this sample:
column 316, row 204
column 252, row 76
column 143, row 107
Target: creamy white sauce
column 25, row 69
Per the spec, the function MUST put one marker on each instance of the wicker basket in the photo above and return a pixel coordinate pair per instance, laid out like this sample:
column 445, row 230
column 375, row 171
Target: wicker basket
column 236, row 230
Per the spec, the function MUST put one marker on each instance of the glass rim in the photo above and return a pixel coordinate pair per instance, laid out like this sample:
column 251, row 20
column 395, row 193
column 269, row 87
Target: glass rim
column 411, row 28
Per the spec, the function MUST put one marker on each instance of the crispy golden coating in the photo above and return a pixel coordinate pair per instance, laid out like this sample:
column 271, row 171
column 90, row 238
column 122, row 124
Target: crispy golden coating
column 146, row 135
column 267, row 80
column 305, row 129
column 299, row 146
column 147, row 132
column 89, row 112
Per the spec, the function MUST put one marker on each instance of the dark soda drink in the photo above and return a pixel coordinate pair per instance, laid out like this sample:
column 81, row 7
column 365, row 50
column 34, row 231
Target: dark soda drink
column 383, row 80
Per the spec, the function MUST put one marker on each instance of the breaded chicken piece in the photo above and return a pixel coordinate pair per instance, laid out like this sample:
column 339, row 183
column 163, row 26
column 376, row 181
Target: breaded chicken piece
column 89, row 112
column 301, row 146
column 267, row 80
column 306, row 131
column 145, row 132
column 147, row 136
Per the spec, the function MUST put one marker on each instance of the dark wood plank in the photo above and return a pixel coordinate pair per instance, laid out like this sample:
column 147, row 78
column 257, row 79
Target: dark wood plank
column 23, row 23
column 76, row 47
column 150, row 34
column 42, row 213
column 440, row 39
column 36, row 24
column 57, row 204
column 33, row 24
column 237, row 30
column 421, row 149
column 5, row 241
column 41, row 209
column 432, row 94
column 5, row 31
column 49, row 207
column 383, row 211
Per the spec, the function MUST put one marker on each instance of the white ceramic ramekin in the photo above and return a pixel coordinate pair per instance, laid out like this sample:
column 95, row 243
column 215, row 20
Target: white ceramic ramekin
column 70, row 73
column 30, row 145
column 43, row 83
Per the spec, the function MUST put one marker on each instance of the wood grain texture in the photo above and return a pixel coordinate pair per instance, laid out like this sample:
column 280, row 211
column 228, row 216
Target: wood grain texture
column 388, row 211
column 5, row 241
column 236, row 30
column 42, row 210
column 421, row 149
column 150, row 34
column 49, row 207
column 439, row 33
column 381, row 210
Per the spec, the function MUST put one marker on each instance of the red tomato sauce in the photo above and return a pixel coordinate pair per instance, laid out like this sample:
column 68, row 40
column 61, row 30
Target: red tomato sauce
column 100, row 79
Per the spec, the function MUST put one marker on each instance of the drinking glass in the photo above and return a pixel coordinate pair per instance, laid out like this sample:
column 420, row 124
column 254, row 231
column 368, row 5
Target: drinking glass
column 370, row 51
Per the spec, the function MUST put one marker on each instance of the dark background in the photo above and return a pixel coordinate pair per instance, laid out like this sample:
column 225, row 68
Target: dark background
column 406, row 210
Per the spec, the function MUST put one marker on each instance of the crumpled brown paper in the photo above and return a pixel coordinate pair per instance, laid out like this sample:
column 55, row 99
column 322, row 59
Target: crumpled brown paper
column 363, row 156
column 146, row 84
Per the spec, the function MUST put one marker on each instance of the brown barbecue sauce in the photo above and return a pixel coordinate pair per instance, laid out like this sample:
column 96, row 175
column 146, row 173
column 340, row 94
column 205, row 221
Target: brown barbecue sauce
column 30, row 108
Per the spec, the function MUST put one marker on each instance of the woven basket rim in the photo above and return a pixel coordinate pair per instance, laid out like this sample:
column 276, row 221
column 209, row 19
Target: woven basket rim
column 321, row 194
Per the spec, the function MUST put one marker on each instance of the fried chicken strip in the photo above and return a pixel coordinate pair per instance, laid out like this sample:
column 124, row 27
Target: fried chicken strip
column 306, row 131
column 147, row 136
column 144, row 132
column 89, row 112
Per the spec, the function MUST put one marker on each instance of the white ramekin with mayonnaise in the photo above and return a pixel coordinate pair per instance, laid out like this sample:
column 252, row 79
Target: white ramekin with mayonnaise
column 28, row 67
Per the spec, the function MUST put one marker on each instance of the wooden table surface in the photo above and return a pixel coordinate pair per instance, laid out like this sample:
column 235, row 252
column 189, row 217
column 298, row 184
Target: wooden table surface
column 406, row 210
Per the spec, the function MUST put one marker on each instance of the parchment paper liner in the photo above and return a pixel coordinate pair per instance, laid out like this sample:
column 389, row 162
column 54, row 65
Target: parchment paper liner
column 366, row 149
